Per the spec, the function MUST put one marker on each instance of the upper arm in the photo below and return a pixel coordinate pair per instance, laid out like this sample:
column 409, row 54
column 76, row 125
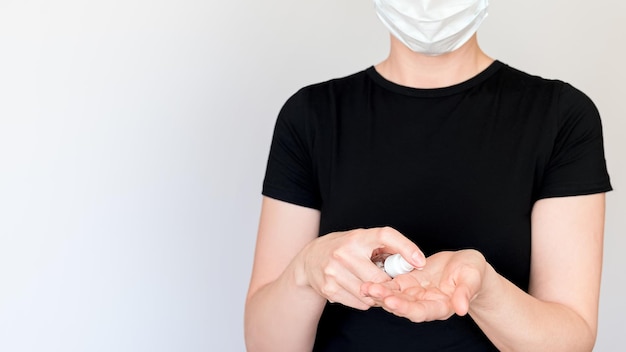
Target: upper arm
column 566, row 259
column 284, row 229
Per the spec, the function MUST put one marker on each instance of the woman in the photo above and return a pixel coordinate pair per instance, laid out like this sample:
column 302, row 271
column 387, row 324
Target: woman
column 488, row 180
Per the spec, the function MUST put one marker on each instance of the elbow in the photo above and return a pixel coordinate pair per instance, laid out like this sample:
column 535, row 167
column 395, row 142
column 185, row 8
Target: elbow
column 587, row 333
column 256, row 337
column 249, row 334
column 591, row 335
column 585, row 336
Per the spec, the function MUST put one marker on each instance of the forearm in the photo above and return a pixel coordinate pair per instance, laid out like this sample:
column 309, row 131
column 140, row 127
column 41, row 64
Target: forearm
column 516, row 321
column 282, row 315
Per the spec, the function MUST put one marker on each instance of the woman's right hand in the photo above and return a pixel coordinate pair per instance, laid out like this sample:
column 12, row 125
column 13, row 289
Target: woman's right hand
column 337, row 264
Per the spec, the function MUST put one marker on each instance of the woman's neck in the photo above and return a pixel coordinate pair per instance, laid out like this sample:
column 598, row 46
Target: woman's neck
column 411, row 69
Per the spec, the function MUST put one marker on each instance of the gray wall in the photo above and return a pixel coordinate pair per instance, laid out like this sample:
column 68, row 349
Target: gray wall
column 134, row 135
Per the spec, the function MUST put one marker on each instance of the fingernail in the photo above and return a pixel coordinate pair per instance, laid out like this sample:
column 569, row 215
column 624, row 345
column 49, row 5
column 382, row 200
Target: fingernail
column 419, row 259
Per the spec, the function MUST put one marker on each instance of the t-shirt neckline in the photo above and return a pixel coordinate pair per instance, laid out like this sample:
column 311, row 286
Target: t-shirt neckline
column 434, row 92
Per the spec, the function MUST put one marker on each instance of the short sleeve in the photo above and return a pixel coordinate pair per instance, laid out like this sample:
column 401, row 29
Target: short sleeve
column 290, row 175
column 577, row 165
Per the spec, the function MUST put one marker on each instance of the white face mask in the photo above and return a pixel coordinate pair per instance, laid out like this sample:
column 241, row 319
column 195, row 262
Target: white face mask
column 432, row 27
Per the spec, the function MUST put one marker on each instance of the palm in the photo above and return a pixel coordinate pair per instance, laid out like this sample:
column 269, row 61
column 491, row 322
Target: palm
column 445, row 286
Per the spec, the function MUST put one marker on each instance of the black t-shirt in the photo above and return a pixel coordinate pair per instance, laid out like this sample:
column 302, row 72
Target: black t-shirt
column 450, row 168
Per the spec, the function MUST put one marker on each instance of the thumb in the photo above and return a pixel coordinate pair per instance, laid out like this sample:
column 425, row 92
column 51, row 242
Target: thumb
column 461, row 300
column 468, row 282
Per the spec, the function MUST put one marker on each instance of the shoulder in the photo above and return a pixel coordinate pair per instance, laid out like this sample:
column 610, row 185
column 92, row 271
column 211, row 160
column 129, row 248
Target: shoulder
column 531, row 81
column 513, row 77
column 316, row 100
column 563, row 97
column 331, row 88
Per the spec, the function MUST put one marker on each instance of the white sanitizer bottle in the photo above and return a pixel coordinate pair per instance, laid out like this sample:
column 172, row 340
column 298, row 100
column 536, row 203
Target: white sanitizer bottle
column 393, row 265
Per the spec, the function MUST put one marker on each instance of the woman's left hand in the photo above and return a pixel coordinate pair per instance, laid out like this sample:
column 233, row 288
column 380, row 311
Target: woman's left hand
column 448, row 283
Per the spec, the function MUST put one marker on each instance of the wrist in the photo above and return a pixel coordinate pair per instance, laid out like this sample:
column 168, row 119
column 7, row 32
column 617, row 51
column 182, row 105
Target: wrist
column 299, row 281
column 297, row 267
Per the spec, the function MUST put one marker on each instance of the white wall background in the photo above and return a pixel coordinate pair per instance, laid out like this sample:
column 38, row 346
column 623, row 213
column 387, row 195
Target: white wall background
column 133, row 141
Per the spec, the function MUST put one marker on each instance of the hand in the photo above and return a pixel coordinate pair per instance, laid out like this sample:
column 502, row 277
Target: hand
column 445, row 286
column 337, row 264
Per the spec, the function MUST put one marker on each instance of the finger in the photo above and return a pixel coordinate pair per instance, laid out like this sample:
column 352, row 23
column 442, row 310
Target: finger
column 360, row 265
column 466, row 284
column 342, row 286
column 336, row 294
column 416, row 278
column 418, row 310
column 378, row 291
column 374, row 293
column 409, row 284
column 393, row 241
column 461, row 300
column 356, row 253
